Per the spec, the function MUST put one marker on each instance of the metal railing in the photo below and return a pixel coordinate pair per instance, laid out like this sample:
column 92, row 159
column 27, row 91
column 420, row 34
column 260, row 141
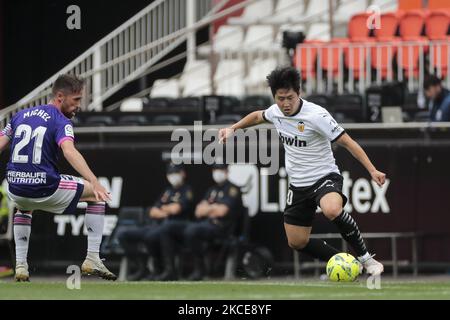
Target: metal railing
column 394, row 261
column 122, row 55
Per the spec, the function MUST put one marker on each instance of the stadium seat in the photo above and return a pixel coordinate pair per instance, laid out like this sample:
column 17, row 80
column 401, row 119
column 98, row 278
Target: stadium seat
column 196, row 78
column 259, row 37
column 409, row 55
column 385, row 6
column 165, row 88
column 319, row 31
column 389, row 23
column 437, row 25
column 133, row 120
column 287, row 11
column 382, row 57
column 228, row 119
column 189, row 103
column 438, row 4
column 439, row 56
column 342, row 118
column 228, row 38
column 305, row 58
column 350, row 106
column 316, row 8
column 230, row 102
column 99, row 121
column 422, row 116
column 410, row 103
column 319, row 99
column 347, row 9
column 254, row 12
column 260, row 101
column 357, row 27
column 355, row 57
column 132, row 105
column 252, row 103
column 256, row 80
column 229, row 78
column 260, row 259
column 157, row 103
column 412, row 24
column 407, row 5
column 128, row 218
column 331, row 55
column 166, row 120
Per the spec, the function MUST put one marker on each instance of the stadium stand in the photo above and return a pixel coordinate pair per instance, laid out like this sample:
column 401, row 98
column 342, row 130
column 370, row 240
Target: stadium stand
column 166, row 89
column 410, row 42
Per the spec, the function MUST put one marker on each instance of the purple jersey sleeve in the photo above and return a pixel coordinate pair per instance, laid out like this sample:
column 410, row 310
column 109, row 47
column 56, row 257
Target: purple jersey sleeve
column 7, row 131
column 64, row 131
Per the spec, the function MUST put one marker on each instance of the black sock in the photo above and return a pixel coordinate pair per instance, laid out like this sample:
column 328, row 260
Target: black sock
column 317, row 248
column 350, row 232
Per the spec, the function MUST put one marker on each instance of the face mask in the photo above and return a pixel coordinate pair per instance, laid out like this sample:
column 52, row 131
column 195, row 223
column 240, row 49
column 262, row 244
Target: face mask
column 175, row 179
column 219, row 176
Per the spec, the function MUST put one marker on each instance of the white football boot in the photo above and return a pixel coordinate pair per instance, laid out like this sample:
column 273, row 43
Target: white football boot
column 22, row 274
column 96, row 267
column 372, row 266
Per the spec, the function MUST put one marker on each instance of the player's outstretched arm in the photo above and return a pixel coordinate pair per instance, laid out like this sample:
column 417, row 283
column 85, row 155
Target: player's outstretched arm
column 355, row 149
column 77, row 161
column 4, row 142
column 250, row 120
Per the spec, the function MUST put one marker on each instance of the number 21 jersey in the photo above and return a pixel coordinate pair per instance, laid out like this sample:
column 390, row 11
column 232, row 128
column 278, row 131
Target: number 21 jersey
column 36, row 134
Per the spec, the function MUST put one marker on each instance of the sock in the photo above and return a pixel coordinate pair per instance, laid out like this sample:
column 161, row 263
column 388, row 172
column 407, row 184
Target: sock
column 22, row 231
column 317, row 248
column 350, row 232
column 94, row 220
column 364, row 258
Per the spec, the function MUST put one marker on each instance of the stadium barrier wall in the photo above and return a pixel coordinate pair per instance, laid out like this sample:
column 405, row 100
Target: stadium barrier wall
column 131, row 165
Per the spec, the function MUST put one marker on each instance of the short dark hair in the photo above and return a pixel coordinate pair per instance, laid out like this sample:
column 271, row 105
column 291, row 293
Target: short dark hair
column 284, row 78
column 430, row 81
column 68, row 84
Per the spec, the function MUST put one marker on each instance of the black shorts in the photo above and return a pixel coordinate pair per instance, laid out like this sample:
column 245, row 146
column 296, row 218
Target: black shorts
column 302, row 202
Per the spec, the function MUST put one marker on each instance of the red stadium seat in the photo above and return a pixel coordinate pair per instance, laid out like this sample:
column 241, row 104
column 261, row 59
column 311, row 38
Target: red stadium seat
column 355, row 57
column 382, row 57
column 409, row 4
column 409, row 56
column 411, row 24
column 437, row 24
column 438, row 4
column 389, row 22
column 330, row 56
column 305, row 58
column 357, row 27
column 439, row 55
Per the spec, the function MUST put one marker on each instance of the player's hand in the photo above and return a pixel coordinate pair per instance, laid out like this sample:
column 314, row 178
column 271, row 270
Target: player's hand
column 224, row 134
column 379, row 177
column 101, row 194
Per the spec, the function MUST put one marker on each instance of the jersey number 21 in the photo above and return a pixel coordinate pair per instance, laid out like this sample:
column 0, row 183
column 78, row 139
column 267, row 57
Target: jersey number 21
column 28, row 134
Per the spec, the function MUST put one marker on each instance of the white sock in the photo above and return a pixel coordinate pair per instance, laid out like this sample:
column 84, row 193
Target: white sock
column 95, row 218
column 22, row 231
column 365, row 257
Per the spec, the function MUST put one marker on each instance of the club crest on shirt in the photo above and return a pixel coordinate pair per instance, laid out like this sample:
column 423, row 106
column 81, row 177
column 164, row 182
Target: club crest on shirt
column 301, row 126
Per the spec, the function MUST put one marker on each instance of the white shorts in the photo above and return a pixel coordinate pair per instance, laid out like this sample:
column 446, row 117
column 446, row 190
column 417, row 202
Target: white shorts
column 63, row 200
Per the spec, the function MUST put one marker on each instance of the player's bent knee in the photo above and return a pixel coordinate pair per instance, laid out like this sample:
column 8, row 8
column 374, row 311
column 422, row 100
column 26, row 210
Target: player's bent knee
column 332, row 211
column 298, row 244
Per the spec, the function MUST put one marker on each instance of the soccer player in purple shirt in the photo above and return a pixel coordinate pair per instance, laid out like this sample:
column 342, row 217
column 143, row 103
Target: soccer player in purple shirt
column 35, row 135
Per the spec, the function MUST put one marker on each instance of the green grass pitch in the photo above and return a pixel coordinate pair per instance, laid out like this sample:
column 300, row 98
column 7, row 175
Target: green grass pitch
column 222, row 290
